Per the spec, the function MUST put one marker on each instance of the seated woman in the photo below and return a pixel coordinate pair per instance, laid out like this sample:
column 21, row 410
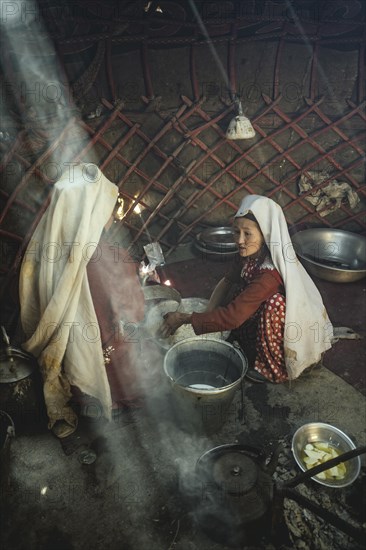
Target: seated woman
column 267, row 300
column 76, row 292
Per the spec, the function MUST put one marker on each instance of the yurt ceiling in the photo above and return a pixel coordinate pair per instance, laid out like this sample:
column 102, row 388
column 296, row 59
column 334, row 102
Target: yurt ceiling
column 147, row 89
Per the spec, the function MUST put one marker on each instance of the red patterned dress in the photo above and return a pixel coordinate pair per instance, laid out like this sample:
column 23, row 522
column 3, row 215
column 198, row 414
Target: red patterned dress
column 255, row 315
column 265, row 326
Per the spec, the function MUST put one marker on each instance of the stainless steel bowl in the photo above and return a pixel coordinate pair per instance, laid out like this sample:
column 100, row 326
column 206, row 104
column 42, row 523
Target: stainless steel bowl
column 161, row 292
column 188, row 305
column 317, row 432
column 220, row 239
column 332, row 254
column 194, row 304
column 154, row 320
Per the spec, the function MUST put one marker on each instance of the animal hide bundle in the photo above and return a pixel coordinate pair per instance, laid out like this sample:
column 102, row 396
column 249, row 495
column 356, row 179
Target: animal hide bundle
column 330, row 197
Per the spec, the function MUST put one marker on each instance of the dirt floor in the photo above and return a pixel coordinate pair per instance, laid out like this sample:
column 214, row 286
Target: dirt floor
column 141, row 492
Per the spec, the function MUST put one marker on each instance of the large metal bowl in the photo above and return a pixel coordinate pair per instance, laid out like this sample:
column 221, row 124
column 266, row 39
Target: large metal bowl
column 332, row 254
column 317, row 432
column 160, row 292
column 154, row 320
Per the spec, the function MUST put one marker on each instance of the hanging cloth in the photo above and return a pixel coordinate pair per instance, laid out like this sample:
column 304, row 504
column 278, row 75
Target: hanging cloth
column 57, row 312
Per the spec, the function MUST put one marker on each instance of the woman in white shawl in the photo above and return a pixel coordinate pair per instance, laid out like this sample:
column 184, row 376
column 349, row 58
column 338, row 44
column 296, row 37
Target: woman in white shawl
column 67, row 312
column 276, row 312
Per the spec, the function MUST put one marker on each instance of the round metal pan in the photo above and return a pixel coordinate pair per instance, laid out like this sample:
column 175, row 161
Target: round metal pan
column 217, row 238
column 215, row 253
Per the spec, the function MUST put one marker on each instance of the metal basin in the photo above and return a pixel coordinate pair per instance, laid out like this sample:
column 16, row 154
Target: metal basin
column 194, row 304
column 154, row 319
column 157, row 293
column 332, row 254
column 318, row 432
column 188, row 305
column 204, row 375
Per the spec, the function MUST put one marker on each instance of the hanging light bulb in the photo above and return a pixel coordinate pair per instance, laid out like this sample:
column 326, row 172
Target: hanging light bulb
column 137, row 209
column 240, row 126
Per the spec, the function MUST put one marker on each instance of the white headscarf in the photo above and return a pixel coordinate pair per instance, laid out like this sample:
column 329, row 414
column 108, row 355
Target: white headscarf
column 308, row 330
column 57, row 312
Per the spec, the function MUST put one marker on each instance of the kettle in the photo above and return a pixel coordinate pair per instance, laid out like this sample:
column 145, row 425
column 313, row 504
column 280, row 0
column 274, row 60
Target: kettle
column 236, row 493
column 239, row 503
column 21, row 393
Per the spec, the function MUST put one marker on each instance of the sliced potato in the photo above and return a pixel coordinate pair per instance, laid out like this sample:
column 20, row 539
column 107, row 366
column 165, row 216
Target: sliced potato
column 319, row 453
column 334, row 471
column 311, row 461
column 322, row 447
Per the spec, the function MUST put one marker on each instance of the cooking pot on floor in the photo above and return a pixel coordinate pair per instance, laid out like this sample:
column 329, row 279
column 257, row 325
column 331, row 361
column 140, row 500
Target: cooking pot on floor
column 236, row 501
column 204, row 373
column 21, row 388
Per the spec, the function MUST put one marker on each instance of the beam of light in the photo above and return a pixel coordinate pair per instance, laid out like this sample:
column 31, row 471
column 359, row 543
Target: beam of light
column 211, row 46
column 240, row 127
column 167, row 282
column 39, row 85
column 309, row 47
column 44, row 490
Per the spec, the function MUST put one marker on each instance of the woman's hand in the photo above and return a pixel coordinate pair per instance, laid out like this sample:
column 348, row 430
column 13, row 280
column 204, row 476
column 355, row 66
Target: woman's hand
column 172, row 321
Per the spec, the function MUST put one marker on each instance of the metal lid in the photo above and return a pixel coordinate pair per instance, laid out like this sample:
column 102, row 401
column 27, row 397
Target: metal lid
column 243, row 487
column 15, row 365
column 236, row 472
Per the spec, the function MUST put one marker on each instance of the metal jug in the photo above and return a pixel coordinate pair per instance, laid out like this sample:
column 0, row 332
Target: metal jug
column 21, row 393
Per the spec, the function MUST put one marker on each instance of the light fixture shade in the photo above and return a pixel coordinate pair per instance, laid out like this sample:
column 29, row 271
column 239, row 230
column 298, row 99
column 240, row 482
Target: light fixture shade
column 240, row 128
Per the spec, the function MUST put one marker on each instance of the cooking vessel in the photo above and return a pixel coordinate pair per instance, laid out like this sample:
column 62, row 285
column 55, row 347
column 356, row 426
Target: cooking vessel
column 188, row 305
column 237, row 501
column 154, row 319
column 204, row 373
column 332, row 254
column 220, row 239
column 319, row 432
column 21, row 394
column 156, row 293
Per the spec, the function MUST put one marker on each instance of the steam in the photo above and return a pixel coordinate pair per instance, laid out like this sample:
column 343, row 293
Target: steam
column 38, row 86
column 139, row 443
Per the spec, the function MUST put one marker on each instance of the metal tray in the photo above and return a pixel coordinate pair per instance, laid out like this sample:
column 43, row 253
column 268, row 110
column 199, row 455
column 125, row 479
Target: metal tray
column 217, row 238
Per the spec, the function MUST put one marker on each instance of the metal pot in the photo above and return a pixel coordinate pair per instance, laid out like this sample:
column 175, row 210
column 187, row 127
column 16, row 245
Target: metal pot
column 21, row 394
column 236, row 493
column 331, row 254
column 237, row 502
column 204, row 374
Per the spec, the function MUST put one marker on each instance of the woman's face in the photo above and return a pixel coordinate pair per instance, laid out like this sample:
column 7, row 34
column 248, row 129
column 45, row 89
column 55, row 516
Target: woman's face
column 248, row 237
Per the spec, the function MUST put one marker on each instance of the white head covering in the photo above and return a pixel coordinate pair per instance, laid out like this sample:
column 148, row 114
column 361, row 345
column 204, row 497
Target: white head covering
column 57, row 312
column 308, row 330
